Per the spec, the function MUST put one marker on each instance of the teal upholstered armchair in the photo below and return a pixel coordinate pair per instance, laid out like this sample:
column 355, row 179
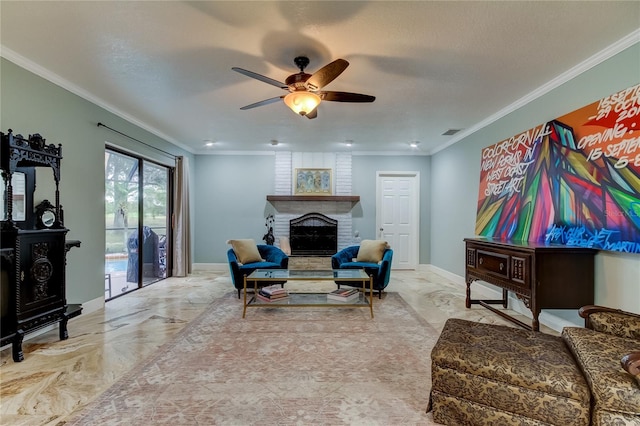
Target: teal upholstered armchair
column 272, row 258
column 347, row 258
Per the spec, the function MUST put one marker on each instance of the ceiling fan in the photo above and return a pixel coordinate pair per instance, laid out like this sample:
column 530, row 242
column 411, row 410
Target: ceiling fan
column 304, row 89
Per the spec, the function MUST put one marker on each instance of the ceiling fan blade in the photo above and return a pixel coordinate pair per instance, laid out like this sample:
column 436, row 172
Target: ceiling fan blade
column 312, row 114
column 261, row 78
column 261, row 103
column 346, row 97
column 326, row 74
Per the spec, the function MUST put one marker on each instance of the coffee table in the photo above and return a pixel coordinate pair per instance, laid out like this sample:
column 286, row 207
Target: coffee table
column 263, row 277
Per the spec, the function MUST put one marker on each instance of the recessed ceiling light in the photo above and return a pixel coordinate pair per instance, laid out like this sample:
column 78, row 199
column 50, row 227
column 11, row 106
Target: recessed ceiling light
column 348, row 142
column 414, row 144
column 274, row 142
column 208, row 142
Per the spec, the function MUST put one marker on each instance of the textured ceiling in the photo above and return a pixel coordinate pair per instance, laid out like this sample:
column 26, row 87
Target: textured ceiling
column 432, row 66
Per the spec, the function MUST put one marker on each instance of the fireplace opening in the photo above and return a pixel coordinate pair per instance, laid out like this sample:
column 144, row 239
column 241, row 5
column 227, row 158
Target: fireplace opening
column 313, row 234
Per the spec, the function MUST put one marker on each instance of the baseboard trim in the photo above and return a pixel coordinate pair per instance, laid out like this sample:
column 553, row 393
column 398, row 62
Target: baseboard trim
column 446, row 274
column 93, row 305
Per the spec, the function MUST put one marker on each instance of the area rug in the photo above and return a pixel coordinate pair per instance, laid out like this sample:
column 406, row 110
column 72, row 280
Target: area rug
column 280, row 366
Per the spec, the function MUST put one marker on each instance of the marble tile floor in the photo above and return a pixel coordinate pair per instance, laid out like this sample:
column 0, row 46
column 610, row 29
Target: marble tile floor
column 58, row 377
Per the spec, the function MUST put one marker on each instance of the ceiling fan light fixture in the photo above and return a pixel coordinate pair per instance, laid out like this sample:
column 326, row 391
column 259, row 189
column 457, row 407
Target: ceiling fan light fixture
column 302, row 102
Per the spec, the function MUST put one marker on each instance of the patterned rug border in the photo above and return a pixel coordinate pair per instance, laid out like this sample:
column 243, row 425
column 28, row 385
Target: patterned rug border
column 76, row 417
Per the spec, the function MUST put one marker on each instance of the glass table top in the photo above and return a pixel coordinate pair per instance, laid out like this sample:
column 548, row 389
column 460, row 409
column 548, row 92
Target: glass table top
column 292, row 274
column 311, row 299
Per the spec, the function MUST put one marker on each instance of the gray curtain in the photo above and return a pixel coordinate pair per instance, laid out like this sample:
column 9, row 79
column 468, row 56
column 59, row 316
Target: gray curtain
column 181, row 222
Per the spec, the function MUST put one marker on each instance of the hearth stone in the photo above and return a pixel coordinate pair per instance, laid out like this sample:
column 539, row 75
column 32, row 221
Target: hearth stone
column 309, row 262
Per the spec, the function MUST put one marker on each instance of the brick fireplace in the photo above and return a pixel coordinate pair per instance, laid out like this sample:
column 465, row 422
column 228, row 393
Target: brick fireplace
column 313, row 234
column 337, row 207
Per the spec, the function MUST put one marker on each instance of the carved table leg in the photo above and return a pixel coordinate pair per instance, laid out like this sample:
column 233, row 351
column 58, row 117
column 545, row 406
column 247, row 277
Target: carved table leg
column 467, row 301
column 64, row 334
column 535, row 324
column 16, row 347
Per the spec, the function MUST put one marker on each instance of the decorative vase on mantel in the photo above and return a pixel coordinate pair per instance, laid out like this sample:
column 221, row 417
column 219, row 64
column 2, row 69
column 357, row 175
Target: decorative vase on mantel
column 269, row 238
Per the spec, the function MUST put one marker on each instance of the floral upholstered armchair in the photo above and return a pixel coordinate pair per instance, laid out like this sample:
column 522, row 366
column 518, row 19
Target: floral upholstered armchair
column 486, row 374
column 609, row 345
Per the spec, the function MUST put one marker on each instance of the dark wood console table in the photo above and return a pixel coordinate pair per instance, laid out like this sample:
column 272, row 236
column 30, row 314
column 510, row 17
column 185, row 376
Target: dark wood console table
column 543, row 276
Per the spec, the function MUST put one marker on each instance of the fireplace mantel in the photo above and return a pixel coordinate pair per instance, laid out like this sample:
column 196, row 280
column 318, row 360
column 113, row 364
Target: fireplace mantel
column 348, row 198
column 302, row 204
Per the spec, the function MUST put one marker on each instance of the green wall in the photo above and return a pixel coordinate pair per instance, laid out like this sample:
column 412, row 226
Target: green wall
column 30, row 104
column 230, row 201
column 364, row 168
column 228, row 198
column 231, row 198
column 456, row 171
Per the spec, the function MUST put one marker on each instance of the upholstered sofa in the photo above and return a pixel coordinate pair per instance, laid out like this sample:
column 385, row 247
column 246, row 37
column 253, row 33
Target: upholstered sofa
column 377, row 265
column 486, row 374
column 271, row 257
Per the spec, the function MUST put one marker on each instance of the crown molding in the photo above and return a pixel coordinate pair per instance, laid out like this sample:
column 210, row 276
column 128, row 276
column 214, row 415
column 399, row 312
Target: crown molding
column 617, row 47
column 54, row 78
column 622, row 44
column 354, row 153
column 213, row 152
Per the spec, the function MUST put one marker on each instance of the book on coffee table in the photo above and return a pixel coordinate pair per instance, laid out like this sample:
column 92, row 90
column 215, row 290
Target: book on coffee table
column 273, row 289
column 344, row 295
column 272, row 298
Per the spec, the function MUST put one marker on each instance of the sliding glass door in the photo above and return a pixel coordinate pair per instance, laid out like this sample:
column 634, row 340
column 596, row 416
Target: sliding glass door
column 137, row 231
column 155, row 226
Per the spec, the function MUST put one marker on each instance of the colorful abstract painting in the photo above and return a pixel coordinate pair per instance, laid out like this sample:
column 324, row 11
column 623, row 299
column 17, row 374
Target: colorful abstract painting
column 573, row 181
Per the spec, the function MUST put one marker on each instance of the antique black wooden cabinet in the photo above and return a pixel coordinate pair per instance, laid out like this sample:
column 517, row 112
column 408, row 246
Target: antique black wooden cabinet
column 33, row 244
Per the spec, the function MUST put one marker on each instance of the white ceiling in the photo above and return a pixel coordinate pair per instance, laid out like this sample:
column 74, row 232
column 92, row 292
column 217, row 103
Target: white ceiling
column 432, row 66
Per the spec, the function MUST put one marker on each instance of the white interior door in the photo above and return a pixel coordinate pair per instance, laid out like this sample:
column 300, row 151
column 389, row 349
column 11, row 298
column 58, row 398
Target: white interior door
column 397, row 215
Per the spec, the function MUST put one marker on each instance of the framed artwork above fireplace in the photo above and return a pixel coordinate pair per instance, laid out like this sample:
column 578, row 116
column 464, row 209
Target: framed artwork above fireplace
column 312, row 182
